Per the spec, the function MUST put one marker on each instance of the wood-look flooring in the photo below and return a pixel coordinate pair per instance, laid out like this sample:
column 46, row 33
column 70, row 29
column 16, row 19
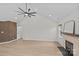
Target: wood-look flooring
column 30, row 48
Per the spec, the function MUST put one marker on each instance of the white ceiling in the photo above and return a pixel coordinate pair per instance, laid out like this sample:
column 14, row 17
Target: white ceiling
column 52, row 11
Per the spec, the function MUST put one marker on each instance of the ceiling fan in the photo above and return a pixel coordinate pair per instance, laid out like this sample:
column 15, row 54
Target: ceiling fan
column 27, row 12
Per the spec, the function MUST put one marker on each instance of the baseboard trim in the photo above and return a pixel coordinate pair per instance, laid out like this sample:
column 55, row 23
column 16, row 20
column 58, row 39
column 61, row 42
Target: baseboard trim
column 40, row 40
column 8, row 41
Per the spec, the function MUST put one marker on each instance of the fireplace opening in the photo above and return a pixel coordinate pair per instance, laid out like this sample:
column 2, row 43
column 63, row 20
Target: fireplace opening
column 69, row 48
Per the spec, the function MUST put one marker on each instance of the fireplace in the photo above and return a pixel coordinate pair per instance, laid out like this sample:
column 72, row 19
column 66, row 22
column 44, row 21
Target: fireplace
column 69, row 48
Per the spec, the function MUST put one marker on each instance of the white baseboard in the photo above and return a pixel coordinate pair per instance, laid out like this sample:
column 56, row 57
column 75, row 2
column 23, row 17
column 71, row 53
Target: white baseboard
column 39, row 39
column 8, row 41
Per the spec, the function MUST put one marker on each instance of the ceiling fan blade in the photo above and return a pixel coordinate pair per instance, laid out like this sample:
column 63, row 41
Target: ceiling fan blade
column 32, row 12
column 21, row 10
column 33, row 15
column 29, row 9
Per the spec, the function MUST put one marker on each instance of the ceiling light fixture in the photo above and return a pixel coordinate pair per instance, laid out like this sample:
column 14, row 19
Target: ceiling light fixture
column 27, row 12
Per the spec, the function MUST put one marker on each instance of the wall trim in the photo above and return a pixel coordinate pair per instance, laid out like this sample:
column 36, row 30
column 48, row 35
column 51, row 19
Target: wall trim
column 8, row 41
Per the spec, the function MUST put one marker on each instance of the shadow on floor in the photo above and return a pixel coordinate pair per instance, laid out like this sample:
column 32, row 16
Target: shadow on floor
column 63, row 51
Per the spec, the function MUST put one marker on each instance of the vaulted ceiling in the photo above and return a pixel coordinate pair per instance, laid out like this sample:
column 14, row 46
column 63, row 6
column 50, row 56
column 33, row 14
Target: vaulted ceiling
column 52, row 11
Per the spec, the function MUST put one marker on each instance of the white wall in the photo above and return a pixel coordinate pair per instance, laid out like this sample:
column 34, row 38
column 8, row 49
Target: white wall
column 38, row 28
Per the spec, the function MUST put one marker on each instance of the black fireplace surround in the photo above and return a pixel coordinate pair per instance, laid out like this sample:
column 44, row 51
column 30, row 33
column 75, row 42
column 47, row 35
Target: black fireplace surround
column 69, row 48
